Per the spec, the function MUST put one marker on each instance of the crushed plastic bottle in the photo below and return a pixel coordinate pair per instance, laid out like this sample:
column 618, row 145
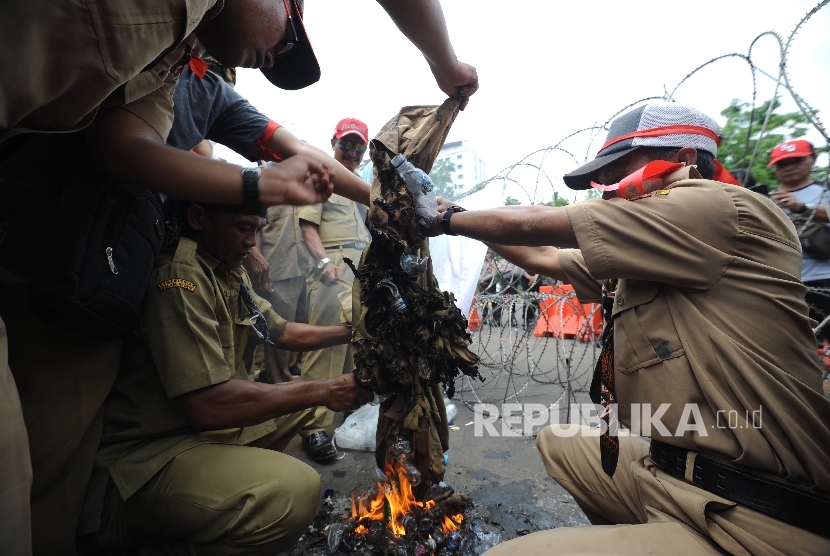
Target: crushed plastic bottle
column 420, row 188
column 379, row 398
column 401, row 450
column 414, row 266
column 478, row 539
column 390, row 292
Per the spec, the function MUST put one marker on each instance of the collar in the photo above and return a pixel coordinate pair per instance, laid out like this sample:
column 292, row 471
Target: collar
column 685, row 173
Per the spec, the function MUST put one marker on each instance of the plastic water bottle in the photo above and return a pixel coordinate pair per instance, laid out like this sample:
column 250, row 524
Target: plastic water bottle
column 420, row 188
column 390, row 292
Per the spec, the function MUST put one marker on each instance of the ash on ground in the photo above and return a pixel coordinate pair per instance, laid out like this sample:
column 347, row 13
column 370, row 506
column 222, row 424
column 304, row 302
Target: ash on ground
column 477, row 535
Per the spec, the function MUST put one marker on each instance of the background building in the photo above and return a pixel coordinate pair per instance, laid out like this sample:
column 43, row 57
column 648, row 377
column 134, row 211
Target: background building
column 469, row 168
column 457, row 169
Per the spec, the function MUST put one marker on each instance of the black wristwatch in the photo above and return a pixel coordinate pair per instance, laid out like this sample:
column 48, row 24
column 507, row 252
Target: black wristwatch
column 250, row 188
column 445, row 221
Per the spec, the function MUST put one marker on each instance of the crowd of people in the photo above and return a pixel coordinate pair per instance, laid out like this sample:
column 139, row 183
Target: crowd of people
column 131, row 322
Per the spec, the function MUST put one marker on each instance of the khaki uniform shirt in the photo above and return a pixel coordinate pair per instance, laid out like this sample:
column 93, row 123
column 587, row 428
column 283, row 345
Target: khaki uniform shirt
column 282, row 244
column 193, row 329
column 709, row 311
column 338, row 219
column 62, row 61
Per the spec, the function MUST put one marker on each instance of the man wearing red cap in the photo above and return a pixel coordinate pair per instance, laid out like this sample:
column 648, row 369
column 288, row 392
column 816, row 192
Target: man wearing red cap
column 792, row 163
column 708, row 351
column 332, row 231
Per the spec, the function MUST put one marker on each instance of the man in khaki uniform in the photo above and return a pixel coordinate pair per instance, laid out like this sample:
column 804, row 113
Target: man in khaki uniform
column 332, row 231
column 110, row 66
column 288, row 259
column 181, row 465
column 710, row 353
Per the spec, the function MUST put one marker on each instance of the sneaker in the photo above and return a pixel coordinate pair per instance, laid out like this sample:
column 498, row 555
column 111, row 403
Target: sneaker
column 319, row 447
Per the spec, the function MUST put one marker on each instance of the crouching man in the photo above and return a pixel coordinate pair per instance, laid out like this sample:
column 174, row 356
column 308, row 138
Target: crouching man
column 189, row 460
column 708, row 321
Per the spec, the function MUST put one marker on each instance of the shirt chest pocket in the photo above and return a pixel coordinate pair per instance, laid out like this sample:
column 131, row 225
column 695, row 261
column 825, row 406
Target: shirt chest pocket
column 131, row 35
column 644, row 332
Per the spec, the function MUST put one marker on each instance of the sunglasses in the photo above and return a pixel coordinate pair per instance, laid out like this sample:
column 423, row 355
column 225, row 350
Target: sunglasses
column 359, row 149
column 290, row 33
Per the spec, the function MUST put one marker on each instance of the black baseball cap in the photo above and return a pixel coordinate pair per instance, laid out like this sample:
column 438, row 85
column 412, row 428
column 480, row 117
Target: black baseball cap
column 297, row 68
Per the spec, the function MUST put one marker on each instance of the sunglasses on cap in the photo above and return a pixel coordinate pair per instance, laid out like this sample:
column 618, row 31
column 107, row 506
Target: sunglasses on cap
column 290, row 33
column 359, row 149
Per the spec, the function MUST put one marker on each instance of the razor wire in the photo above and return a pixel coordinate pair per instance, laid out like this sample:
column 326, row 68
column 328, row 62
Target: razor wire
column 536, row 342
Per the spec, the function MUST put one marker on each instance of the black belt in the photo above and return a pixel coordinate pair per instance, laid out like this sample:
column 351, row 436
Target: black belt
column 775, row 497
column 358, row 245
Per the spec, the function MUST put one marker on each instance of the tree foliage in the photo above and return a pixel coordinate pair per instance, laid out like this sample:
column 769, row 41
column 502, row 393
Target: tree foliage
column 556, row 201
column 510, row 201
column 738, row 139
column 441, row 176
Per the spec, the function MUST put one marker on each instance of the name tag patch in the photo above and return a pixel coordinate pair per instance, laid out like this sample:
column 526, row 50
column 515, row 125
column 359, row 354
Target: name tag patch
column 177, row 283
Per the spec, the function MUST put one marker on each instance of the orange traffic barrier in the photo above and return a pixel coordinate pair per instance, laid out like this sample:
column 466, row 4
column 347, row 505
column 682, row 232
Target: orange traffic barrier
column 474, row 321
column 562, row 316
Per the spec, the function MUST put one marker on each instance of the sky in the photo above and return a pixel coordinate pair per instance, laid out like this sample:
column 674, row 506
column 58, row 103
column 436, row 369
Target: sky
column 547, row 69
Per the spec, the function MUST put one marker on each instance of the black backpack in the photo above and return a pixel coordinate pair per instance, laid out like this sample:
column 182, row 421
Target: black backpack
column 92, row 267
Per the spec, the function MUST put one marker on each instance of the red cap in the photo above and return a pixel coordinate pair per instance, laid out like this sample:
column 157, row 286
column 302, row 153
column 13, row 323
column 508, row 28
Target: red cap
column 350, row 125
column 796, row 148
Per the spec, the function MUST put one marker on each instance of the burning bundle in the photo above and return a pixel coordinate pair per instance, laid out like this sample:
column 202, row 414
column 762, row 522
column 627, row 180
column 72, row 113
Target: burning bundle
column 409, row 337
column 390, row 520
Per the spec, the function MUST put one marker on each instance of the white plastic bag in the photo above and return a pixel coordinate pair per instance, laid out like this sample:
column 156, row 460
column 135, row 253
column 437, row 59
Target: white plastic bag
column 359, row 430
column 452, row 411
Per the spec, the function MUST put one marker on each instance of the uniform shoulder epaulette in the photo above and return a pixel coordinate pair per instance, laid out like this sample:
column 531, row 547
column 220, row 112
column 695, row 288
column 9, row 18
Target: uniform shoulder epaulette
column 185, row 252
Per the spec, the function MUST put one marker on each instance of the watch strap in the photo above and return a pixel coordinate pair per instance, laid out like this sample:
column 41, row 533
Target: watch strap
column 250, row 188
column 445, row 220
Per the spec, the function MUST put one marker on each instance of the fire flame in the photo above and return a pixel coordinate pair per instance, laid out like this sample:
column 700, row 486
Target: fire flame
column 397, row 494
column 451, row 524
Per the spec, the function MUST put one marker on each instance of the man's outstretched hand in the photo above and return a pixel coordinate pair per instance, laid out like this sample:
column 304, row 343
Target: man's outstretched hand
column 346, row 393
column 297, row 180
column 460, row 81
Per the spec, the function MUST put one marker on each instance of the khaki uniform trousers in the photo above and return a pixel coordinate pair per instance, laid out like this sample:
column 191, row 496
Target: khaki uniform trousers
column 666, row 515
column 63, row 380
column 15, row 465
column 325, row 309
column 218, row 499
column 288, row 294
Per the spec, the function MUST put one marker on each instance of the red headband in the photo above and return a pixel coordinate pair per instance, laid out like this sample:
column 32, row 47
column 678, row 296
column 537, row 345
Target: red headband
column 666, row 130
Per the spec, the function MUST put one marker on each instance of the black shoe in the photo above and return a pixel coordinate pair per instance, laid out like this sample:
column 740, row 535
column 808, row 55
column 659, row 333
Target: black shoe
column 319, row 447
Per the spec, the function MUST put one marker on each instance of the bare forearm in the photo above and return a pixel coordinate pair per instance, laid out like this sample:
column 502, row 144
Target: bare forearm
column 346, row 183
column 530, row 226
column 539, row 260
column 123, row 148
column 242, row 403
column 312, row 240
column 308, row 337
column 413, row 17
column 126, row 148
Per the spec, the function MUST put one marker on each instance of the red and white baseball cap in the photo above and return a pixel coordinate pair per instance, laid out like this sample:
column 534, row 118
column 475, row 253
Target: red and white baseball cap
column 657, row 124
column 350, row 125
column 795, row 148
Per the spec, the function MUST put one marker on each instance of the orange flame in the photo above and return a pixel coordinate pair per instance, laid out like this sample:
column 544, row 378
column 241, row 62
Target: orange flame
column 397, row 494
column 451, row 524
